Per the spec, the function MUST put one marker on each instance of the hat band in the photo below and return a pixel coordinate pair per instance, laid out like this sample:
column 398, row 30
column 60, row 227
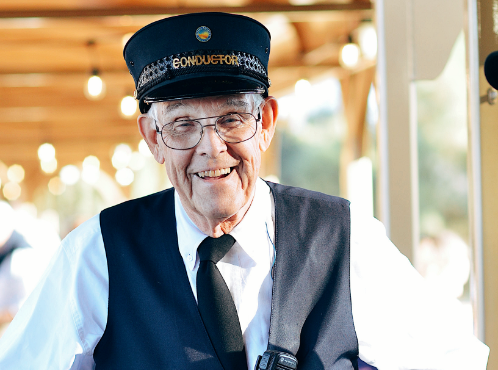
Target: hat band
column 231, row 62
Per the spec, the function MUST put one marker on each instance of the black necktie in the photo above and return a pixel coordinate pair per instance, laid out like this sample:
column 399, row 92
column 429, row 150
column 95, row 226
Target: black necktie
column 216, row 306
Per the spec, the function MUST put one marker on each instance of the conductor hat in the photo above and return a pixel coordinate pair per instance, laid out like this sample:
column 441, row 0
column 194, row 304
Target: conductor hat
column 197, row 55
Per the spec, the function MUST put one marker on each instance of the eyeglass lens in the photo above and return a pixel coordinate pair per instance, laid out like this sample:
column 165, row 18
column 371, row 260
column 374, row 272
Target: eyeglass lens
column 232, row 128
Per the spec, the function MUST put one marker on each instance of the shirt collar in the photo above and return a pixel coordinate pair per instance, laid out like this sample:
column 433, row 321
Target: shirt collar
column 255, row 220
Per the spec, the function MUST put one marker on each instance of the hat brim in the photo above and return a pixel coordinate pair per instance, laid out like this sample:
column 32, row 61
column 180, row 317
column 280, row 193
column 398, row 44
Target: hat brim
column 191, row 87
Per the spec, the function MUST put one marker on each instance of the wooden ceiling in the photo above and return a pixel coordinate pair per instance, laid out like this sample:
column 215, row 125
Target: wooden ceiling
column 45, row 61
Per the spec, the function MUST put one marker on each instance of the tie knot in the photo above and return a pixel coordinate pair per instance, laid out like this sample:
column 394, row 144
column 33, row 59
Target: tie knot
column 213, row 249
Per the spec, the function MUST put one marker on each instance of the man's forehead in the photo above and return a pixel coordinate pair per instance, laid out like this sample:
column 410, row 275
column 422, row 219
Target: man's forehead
column 235, row 101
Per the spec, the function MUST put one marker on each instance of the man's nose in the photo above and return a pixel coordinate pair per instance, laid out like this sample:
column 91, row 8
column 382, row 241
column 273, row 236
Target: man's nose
column 210, row 144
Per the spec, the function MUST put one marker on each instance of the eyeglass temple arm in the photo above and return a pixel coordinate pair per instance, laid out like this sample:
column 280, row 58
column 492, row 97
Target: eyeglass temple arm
column 157, row 127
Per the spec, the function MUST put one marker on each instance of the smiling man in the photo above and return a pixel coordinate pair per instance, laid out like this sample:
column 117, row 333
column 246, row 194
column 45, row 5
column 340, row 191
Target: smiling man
column 225, row 270
column 213, row 162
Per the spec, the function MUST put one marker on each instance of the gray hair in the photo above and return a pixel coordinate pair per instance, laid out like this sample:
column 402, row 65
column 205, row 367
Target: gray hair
column 255, row 99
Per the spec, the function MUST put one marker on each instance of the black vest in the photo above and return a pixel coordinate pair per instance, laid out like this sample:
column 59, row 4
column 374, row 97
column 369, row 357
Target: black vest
column 153, row 321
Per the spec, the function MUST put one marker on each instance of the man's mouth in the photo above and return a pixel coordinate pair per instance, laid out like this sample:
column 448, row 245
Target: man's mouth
column 214, row 173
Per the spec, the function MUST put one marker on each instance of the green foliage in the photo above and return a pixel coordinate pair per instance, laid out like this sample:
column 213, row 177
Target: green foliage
column 310, row 158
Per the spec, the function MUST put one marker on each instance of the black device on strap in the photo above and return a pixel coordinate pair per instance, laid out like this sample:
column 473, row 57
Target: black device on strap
column 276, row 360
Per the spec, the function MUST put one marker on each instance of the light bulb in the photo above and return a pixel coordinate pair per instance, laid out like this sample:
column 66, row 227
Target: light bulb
column 302, row 87
column 367, row 38
column 128, row 106
column 95, row 87
column 350, row 55
column 46, row 152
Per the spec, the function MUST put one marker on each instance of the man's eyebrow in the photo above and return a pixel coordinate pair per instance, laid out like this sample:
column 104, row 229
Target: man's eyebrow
column 174, row 106
column 234, row 102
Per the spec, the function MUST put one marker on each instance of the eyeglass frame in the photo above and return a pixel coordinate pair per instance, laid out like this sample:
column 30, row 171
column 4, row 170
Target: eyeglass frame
column 159, row 131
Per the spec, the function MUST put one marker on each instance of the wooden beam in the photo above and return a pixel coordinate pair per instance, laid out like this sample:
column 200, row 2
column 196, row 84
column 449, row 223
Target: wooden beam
column 153, row 10
column 355, row 90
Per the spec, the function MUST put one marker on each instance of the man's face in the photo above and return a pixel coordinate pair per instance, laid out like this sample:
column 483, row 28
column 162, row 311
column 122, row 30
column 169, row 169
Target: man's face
column 215, row 180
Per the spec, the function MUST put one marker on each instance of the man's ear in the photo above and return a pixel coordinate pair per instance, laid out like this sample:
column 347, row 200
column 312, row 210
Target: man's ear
column 148, row 131
column 268, row 122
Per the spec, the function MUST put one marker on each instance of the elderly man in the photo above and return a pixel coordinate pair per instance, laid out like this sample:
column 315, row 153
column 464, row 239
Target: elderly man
column 224, row 266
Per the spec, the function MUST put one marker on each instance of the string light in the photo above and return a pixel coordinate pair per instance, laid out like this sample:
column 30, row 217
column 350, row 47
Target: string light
column 128, row 106
column 46, row 152
column 95, row 86
column 367, row 38
column 302, row 87
column 350, row 56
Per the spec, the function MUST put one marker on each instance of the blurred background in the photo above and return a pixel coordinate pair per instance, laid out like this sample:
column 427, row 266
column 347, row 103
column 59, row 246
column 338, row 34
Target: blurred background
column 382, row 102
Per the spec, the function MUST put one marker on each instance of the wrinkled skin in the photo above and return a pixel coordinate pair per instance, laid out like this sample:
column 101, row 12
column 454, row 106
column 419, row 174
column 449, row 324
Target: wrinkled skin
column 215, row 204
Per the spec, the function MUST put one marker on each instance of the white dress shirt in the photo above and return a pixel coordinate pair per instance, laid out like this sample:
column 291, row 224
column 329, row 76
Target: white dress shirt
column 21, row 270
column 399, row 322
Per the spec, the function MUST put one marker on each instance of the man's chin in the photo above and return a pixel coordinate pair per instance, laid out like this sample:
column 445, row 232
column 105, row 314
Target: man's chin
column 220, row 211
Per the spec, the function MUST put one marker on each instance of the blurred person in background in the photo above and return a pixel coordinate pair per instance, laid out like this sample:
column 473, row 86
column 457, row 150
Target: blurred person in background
column 25, row 250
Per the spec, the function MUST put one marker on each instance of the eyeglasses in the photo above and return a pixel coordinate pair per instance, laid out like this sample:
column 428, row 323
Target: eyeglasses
column 232, row 128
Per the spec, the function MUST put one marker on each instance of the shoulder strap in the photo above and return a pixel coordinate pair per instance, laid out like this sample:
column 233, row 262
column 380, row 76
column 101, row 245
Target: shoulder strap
column 311, row 299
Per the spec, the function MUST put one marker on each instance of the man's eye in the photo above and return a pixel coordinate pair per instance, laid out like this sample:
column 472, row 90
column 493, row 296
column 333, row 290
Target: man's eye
column 183, row 126
column 231, row 120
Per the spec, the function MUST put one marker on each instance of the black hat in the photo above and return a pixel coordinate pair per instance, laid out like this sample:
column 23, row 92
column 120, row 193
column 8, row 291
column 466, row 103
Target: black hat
column 196, row 55
column 491, row 69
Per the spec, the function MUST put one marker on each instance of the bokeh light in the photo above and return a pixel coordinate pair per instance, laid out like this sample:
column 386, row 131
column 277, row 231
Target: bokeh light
column 15, row 173
column 143, row 148
column 95, row 86
column 350, row 55
column 46, row 152
column 137, row 161
column 128, row 106
column 69, row 174
column 91, row 170
column 367, row 38
column 124, row 176
column 11, row 190
column 49, row 166
column 302, row 87
column 56, row 186
column 121, row 156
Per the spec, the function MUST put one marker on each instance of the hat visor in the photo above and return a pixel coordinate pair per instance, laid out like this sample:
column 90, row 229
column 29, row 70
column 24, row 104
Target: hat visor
column 191, row 87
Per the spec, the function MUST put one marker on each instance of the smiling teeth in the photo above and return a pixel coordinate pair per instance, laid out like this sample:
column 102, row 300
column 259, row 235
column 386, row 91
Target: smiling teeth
column 214, row 173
